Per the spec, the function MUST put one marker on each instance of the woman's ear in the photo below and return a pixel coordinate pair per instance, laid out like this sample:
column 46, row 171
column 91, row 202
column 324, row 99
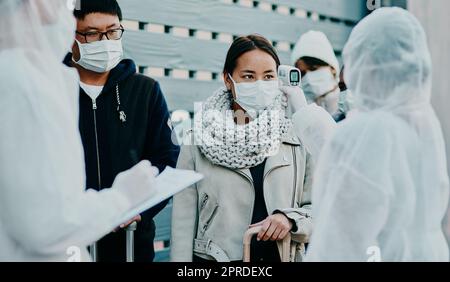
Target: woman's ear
column 333, row 71
column 227, row 81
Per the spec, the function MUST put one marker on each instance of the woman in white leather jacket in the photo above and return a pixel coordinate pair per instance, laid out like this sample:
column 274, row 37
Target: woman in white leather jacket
column 257, row 172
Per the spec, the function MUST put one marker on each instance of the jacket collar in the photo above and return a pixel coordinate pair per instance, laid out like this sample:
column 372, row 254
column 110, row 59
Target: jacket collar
column 291, row 138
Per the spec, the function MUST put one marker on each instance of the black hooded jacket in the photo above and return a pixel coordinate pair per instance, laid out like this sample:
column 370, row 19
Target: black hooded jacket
column 127, row 123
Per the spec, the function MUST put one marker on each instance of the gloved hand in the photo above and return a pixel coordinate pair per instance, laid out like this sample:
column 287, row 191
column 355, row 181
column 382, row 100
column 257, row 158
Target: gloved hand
column 136, row 184
column 295, row 98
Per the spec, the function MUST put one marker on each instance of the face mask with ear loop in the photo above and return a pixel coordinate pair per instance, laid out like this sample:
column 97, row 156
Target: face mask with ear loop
column 100, row 56
column 321, row 87
column 257, row 96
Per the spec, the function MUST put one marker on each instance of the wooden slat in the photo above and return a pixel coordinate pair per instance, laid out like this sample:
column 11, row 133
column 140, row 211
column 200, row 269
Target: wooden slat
column 352, row 10
column 167, row 51
column 162, row 256
column 182, row 94
column 216, row 16
column 163, row 224
column 163, row 229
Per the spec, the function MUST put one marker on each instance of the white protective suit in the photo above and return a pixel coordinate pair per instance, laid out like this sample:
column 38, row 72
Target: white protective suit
column 381, row 185
column 45, row 212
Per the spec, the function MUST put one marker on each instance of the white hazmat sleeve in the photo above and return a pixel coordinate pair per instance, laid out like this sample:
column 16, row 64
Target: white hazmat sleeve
column 314, row 126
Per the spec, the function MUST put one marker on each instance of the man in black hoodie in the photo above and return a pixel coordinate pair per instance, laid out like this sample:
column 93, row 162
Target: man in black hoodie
column 123, row 118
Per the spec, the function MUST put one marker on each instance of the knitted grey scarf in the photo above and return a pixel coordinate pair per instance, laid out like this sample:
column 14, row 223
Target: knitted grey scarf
column 227, row 144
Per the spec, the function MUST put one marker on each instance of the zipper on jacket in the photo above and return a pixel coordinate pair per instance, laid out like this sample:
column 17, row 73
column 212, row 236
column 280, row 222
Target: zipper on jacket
column 253, row 191
column 295, row 177
column 204, row 201
column 208, row 223
column 94, row 108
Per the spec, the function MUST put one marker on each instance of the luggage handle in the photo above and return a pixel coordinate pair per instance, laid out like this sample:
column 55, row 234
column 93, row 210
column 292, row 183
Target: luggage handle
column 286, row 244
column 129, row 230
column 130, row 241
column 93, row 252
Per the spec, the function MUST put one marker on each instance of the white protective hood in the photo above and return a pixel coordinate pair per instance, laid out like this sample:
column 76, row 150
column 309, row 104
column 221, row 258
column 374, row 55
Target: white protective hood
column 45, row 212
column 381, row 185
column 315, row 44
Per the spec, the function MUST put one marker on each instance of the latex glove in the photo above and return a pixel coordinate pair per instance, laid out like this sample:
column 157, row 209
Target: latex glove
column 136, row 219
column 136, row 184
column 295, row 98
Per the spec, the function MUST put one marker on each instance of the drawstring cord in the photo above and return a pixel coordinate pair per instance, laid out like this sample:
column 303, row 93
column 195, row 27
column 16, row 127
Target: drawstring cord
column 122, row 115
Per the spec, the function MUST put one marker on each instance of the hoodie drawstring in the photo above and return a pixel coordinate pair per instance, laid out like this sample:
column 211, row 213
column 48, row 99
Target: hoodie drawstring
column 122, row 115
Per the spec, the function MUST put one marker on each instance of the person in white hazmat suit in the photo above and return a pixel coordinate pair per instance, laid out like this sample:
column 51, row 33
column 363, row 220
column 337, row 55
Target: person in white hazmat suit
column 314, row 56
column 45, row 212
column 381, row 185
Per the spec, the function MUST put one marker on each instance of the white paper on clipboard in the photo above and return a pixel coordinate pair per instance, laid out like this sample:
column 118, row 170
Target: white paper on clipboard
column 168, row 183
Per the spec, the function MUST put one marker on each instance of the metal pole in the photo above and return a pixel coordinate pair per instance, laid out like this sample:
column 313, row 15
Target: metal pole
column 93, row 252
column 130, row 241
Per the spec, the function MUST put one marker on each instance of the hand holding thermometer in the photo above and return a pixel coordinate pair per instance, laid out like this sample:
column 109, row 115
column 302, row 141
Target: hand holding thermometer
column 290, row 79
column 289, row 76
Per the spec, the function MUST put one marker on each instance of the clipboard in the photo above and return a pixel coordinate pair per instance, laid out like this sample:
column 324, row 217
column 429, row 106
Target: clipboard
column 167, row 184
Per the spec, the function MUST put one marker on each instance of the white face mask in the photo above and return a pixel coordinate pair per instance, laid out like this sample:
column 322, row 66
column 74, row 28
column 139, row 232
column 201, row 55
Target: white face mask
column 254, row 97
column 100, row 56
column 346, row 101
column 319, row 83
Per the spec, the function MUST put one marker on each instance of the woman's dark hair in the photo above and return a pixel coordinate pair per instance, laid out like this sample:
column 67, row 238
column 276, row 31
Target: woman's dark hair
column 246, row 44
column 314, row 62
column 86, row 7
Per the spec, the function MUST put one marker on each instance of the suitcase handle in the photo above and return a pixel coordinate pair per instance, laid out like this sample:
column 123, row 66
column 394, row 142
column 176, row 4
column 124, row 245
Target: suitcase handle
column 130, row 241
column 286, row 244
column 129, row 230
column 93, row 252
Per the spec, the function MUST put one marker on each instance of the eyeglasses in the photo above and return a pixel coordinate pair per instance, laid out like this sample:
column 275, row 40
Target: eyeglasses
column 94, row 36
